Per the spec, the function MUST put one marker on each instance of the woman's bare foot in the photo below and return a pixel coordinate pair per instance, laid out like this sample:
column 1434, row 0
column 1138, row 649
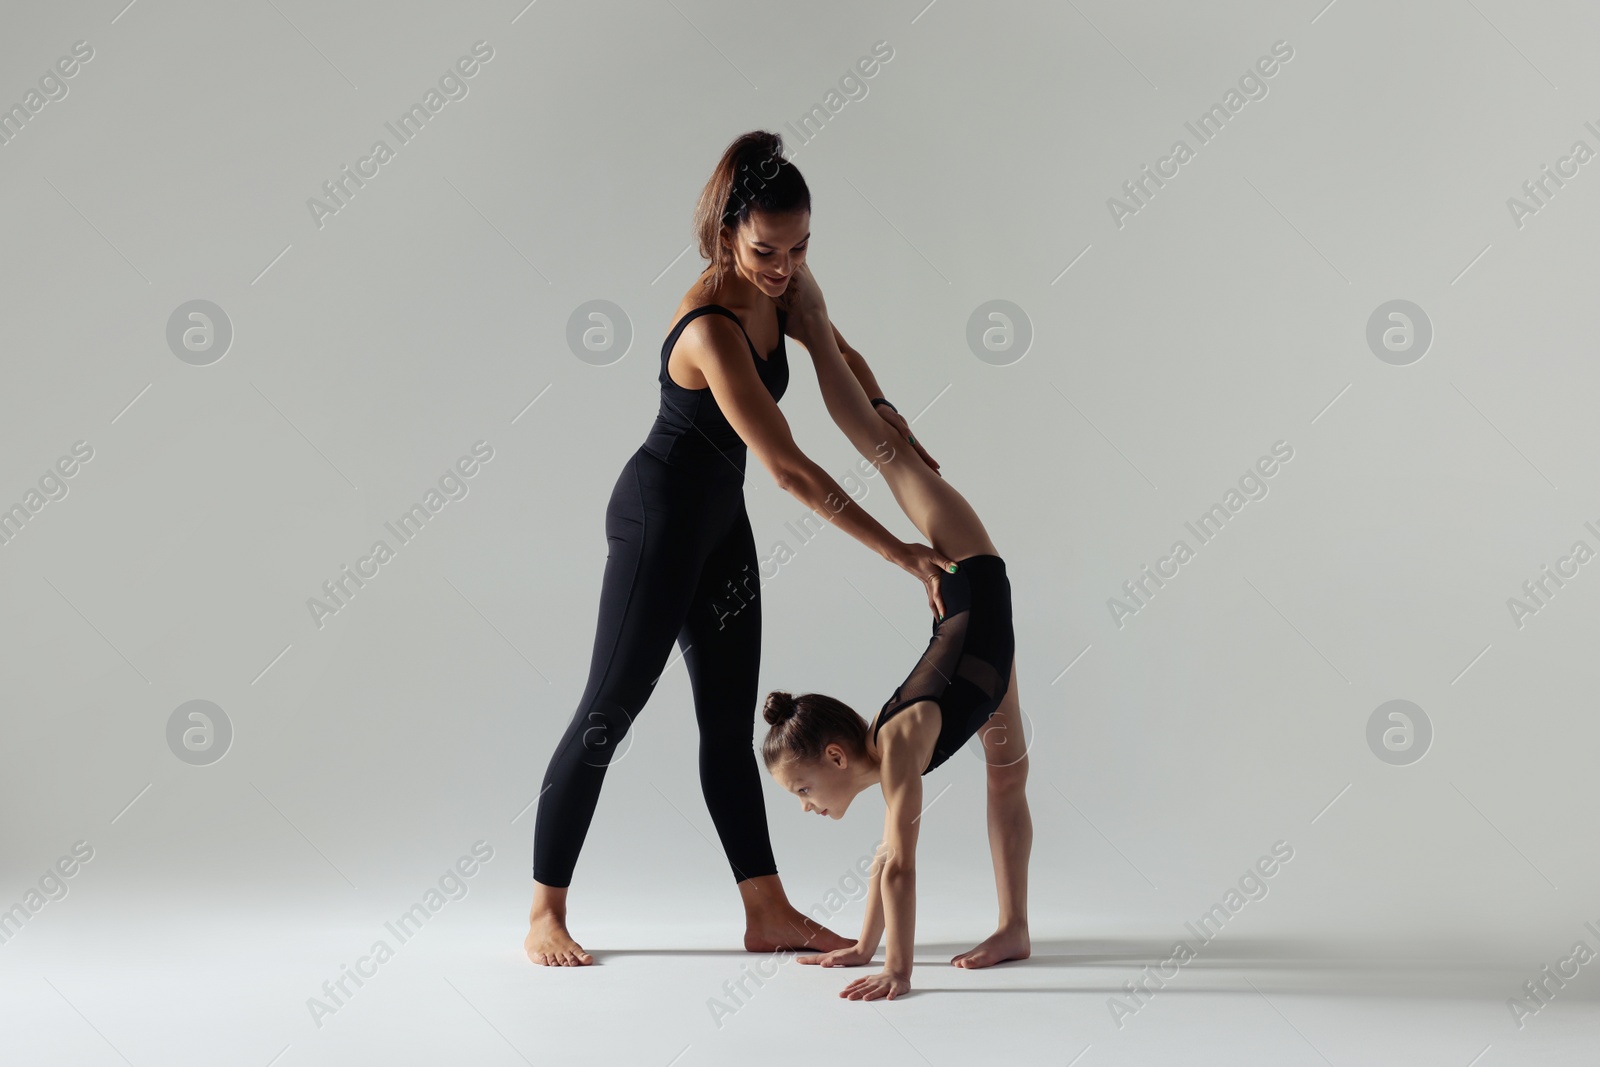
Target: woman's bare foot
column 789, row 929
column 549, row 943
column 1006, row 943
column 772, row 923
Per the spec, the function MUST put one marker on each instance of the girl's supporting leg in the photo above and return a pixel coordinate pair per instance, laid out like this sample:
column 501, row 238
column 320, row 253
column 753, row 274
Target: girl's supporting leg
column 1010, row 832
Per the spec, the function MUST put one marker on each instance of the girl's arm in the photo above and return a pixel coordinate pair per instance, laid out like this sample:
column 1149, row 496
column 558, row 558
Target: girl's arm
column 866, row 945
column 902, row 790
column 872, row 923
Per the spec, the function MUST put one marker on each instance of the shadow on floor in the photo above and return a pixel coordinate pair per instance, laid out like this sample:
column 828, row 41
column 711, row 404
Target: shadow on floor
column 1223, row 965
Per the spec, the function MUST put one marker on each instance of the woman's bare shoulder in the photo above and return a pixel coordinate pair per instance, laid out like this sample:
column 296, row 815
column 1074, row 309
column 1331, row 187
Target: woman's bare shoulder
column 691, row 300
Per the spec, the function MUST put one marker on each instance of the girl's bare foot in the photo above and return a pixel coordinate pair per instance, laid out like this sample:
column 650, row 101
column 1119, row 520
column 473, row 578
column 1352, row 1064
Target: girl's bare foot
column 1006, row 943
column 549, row 943
column 788, row 928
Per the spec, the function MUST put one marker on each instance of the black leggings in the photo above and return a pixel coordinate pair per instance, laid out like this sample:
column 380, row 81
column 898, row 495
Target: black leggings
column 681, row 564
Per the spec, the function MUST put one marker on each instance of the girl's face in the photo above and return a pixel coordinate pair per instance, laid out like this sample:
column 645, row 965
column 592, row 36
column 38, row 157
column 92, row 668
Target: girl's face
column 823, row 786
column 768, row 248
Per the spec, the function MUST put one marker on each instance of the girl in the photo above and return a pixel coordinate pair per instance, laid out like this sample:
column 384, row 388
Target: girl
column 964, row 683
column 681, row 551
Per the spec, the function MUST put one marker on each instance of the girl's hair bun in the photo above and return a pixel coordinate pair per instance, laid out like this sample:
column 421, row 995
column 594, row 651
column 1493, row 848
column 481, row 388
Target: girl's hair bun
column 780, row 707
column 801, row 727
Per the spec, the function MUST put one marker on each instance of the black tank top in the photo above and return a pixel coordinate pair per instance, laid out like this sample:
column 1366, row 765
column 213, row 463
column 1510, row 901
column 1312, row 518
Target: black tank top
column 690, row 430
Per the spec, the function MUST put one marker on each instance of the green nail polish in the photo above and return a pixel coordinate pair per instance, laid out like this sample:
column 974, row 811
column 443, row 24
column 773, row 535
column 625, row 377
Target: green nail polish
column 951, row 568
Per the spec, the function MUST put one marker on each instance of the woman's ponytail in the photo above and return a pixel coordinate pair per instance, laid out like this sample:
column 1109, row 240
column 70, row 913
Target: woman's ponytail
column 751, row 176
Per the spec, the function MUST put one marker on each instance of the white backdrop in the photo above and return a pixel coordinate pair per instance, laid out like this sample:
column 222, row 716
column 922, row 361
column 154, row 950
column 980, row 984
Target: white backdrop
column 1150, row 345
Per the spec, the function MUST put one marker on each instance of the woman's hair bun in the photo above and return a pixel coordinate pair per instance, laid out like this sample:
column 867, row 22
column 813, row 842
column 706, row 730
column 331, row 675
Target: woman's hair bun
column 779, row 708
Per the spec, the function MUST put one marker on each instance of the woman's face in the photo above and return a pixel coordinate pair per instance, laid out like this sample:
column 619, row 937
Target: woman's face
column 823, row 786
column 768, row 248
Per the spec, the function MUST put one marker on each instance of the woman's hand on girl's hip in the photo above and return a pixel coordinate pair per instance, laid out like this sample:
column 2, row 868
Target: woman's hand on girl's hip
column 928, row 566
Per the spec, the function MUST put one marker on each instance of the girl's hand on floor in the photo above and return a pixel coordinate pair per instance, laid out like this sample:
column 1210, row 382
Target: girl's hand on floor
column 877, row 987
column 854, row 956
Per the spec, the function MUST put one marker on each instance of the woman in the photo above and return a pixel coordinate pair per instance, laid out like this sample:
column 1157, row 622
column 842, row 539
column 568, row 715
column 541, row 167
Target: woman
column 964, row 683
column 681, row 549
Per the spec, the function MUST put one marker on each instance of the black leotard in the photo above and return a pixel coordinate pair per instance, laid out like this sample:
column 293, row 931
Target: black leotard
column 966, row 668
column 681, row 565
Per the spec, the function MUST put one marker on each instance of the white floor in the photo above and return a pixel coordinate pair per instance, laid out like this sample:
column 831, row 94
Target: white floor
column 172, row 992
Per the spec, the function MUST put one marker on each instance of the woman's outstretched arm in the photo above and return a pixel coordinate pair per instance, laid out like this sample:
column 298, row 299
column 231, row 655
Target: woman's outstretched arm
column 723, row 357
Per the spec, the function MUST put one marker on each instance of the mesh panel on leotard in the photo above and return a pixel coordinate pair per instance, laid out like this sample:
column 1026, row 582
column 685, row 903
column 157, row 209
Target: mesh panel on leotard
column 966, row 667
column 938, row 666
